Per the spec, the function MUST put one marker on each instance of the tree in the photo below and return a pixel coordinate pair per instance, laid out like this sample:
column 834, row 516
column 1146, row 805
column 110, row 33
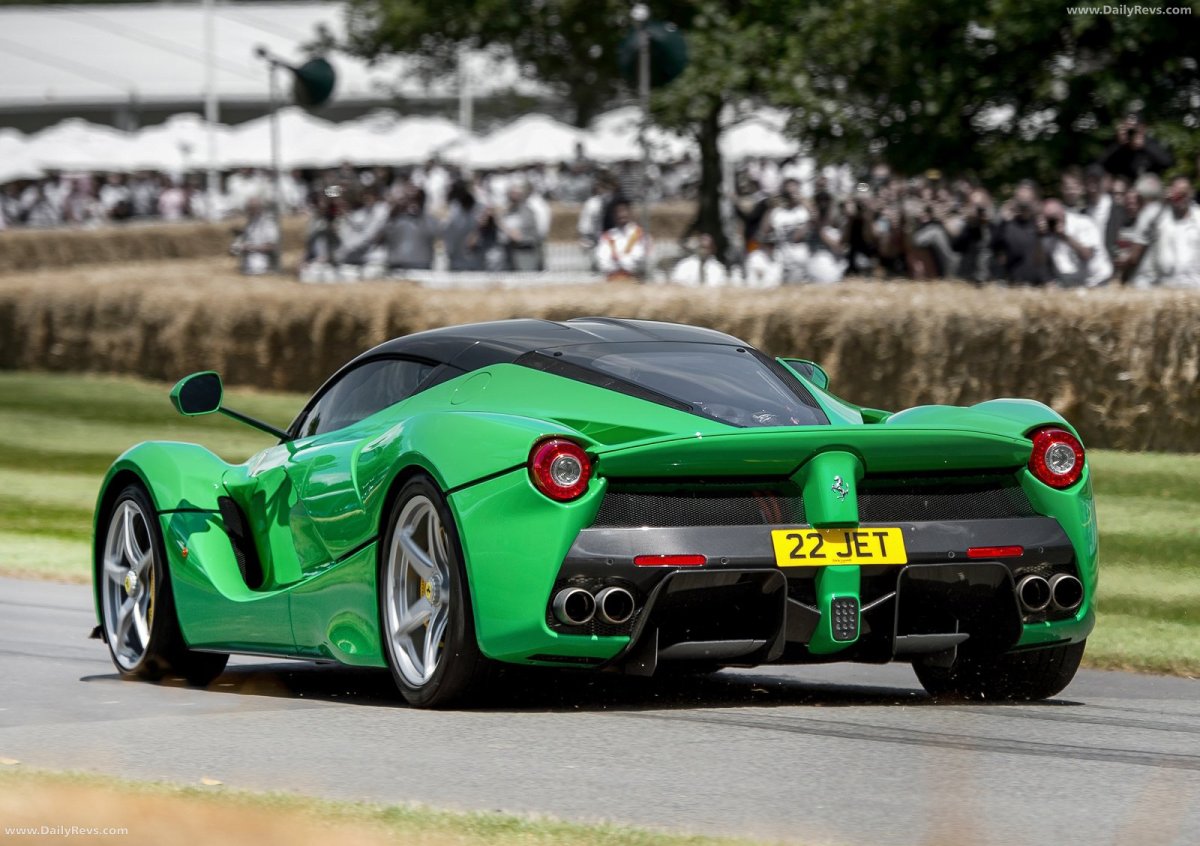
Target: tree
column 569, row 45
column 1002, row 88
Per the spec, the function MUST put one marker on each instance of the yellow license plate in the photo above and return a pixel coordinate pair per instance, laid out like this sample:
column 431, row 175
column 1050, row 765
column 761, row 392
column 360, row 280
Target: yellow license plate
column 823, row 547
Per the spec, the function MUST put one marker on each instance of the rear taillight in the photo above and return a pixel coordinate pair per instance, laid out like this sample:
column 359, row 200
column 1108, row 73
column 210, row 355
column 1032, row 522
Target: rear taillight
column 560, row 469
column 1057, row 457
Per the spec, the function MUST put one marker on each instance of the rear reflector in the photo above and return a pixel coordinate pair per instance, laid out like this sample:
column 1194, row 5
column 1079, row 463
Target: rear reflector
column 995, row 552
column 669, row 560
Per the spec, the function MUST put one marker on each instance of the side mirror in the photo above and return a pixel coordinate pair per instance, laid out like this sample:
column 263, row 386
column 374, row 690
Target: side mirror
column 197, row 394
column 810, row 370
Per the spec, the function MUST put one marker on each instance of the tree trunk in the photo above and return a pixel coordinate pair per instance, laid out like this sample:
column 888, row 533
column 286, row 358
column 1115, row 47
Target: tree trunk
column 708, row 215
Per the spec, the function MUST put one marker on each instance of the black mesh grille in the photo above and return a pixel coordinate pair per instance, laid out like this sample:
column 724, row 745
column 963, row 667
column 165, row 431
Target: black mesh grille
column 942, row 499
column 672, row 509
column 910, row 500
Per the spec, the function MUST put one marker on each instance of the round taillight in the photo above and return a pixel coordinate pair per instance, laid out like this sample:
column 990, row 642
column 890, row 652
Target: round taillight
column 1057, row 457
column 560, row 469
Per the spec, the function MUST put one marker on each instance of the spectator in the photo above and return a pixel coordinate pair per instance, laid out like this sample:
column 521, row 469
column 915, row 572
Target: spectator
column 621, row 253
column 461, row 234
column 760, row 209
column 973, row 242
column 360, row 228
column 1073, row 243
column 1135, row 153
column 789, row 225
column 1175, row 260
column 519, row 232
column 1145, row 208
column 1017, row 241
column 173, row 202
column 763, row 268
column 39, row 211
column 825, row 251
column 596, row 216
column 1098, row 206
column 257, row 245
column 321, row 240
column 701, row 269
column 410, row 233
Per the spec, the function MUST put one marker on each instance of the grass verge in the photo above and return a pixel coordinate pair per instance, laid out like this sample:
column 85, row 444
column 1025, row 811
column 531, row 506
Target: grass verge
column 58, row 434
column 155, row 813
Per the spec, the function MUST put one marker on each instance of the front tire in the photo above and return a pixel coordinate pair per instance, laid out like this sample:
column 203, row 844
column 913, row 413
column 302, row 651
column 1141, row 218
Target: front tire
column 425, row 608
column 137, row 606
column 1020, row 676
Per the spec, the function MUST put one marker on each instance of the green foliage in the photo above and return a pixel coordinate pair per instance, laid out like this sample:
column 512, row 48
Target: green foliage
column 569, row 45
column 1003, row 88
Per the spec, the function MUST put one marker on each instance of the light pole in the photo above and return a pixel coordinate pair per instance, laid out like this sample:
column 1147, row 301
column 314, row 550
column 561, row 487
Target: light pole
column 641, row 15
column 273, row 64
column 211, row 114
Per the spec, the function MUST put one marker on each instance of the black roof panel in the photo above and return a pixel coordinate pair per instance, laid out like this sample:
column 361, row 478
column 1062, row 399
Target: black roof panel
column 476, row 345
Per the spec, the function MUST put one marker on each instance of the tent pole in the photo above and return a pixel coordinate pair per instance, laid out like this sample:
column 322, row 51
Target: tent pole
column 211, row 109
column 641, row 14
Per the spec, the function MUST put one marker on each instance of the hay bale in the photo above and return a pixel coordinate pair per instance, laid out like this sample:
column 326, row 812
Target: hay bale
column 1124, row 366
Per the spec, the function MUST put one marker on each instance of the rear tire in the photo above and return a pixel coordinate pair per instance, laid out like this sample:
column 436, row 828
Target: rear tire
column 137, row 606
column 427, row 627
column 1020, row 676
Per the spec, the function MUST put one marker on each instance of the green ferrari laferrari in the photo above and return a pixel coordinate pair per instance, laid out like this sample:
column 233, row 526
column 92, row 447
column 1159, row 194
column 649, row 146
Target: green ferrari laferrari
column 610, row 495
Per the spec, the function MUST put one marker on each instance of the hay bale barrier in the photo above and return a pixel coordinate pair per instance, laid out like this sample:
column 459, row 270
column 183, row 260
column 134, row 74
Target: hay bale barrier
column 1122, row 365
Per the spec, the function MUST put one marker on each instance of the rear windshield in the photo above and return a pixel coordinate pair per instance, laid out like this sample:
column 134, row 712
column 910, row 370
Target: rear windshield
column 736, row 385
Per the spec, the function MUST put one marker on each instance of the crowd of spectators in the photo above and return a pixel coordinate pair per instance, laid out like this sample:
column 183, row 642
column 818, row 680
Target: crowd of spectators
column 1114, row 221
column 1119, row 220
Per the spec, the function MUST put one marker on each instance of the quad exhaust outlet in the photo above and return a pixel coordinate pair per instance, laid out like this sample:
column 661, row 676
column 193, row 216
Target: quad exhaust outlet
column 574, row 606
column 614, row 605
column 1034, row 593
column 1066, row 592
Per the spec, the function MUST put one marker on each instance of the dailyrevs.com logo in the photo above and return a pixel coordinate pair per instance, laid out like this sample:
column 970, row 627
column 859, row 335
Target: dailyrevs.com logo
column 62, row 831
column 1129, row 11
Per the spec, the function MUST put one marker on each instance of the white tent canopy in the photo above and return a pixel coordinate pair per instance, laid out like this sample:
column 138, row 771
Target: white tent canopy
column 756, row 138
column 528, row 140
column 614, row 137
column 383, row 138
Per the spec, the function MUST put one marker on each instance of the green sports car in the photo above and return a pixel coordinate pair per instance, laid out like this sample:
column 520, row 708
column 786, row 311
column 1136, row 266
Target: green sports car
column 618, row 495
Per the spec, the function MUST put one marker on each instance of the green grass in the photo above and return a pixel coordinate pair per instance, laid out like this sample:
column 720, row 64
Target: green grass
column 58, row 434
column 237, row 817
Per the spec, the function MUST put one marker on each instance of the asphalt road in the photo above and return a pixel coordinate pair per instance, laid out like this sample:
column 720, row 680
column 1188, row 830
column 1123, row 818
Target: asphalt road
column 851, row 755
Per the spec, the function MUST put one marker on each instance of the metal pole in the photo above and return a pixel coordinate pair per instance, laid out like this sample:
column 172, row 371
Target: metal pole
column 276, row 181
column 641, row 14
column 211, row 108
column 466, row 103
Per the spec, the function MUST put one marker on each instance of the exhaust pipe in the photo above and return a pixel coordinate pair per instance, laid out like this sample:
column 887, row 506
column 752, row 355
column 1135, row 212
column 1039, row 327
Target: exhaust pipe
column 1034, row 593
column 1066, row 592
column 614, row 605
column 574, row 606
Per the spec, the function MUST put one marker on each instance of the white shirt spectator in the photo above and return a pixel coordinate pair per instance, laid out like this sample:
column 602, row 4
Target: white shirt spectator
column 1176, row 256
column 621, row 252
column 1099, row 212
column 1144, row 232
column 763, row 269
column 173, row 203
column 541, row 212
column 1072, row 270
column 699, row 272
